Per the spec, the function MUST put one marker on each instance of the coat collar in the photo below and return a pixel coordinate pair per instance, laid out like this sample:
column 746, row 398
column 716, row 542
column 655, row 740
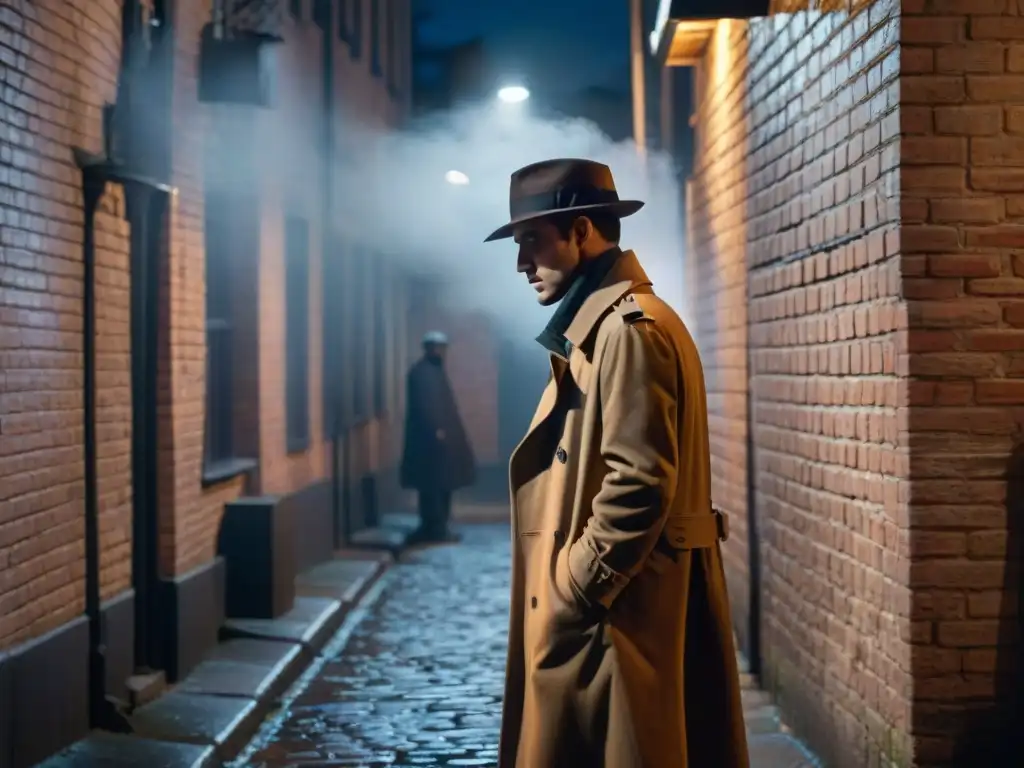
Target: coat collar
column 608, row 279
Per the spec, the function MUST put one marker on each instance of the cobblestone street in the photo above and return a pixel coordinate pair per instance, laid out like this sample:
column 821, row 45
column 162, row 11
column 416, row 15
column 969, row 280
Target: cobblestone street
column 416, row 679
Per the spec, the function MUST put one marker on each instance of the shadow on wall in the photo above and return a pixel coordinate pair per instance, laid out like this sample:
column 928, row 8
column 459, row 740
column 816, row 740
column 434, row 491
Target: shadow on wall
column 994, row 737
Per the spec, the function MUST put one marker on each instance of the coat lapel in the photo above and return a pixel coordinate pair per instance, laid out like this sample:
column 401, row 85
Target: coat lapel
column 624, row 276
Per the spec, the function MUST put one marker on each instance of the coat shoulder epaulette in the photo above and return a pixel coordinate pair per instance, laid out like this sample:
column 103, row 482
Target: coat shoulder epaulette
column 630, row 310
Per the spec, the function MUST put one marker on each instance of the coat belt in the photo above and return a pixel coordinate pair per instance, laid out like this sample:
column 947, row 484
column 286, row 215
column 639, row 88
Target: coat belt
column 684, row 532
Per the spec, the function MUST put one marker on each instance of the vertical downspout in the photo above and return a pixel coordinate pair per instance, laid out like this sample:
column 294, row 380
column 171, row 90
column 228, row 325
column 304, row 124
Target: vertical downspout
column 93, row 188
column 327, row 241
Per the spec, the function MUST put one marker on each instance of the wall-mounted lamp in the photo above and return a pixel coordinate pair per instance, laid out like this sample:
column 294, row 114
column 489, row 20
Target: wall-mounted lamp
column 682, row 28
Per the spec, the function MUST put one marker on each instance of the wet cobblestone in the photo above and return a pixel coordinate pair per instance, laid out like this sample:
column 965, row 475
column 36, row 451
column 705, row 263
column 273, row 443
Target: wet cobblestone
column 419, row 680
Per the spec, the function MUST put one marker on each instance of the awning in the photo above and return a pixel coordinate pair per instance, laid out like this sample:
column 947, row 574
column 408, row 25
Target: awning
column 682, row 28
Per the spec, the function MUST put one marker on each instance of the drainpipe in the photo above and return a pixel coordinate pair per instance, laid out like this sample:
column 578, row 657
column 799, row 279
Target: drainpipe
column 329, row 22
column 102, row 713
column 97, row 172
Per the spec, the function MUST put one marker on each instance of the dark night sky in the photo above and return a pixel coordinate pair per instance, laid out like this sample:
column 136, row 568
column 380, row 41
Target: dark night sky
column 566, row 45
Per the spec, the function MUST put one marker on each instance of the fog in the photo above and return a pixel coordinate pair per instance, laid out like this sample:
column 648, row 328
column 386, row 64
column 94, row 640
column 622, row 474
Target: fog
column 396, row 196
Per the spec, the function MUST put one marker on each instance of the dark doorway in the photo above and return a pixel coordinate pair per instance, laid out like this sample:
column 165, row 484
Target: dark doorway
column 147, row 214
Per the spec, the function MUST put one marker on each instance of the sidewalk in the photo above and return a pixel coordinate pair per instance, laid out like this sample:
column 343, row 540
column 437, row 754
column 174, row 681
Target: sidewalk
column 208, row 717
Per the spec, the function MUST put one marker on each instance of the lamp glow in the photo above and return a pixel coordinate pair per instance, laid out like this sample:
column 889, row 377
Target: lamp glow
column 458, row 178
column 513, row 94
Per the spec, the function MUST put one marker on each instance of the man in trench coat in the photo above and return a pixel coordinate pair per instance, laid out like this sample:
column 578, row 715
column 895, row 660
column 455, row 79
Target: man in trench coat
column 620, row 644
column 436, row 458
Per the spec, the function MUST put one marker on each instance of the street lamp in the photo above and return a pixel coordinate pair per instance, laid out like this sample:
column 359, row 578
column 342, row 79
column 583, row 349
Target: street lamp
column 458, row 178
column 513, row 94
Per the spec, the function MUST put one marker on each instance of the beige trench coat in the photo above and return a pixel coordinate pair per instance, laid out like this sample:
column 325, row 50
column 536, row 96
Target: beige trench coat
column 620, row 647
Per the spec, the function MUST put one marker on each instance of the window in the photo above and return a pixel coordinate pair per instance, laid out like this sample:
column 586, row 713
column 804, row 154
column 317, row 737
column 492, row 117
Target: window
column 355, row 29
column 220, row 372
column 334, row 341
column 375, row 31
column 296, row 280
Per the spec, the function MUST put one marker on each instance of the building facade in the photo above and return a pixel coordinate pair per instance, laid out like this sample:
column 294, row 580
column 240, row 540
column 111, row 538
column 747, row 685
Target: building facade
column 854, row 220
column 186, row 320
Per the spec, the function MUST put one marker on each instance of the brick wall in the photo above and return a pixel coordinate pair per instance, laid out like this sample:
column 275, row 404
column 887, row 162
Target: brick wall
column 962, row 101
column 189, row 513
column 60, row 62
column 793, row 215
column 290, row 136
column 286, row 141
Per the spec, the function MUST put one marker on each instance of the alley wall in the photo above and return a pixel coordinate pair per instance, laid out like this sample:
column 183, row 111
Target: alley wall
column 794, row 214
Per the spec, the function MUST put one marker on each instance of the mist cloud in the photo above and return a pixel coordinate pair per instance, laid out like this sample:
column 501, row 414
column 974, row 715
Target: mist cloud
column 396, row 199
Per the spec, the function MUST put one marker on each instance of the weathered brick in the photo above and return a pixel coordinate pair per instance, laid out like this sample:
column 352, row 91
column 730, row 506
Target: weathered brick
column 1000, row 392
column 942, row 89
column 1003, row 151
column 995, row 89
column 966, row 634
column 933, row 150
column 969, row 120
column 996, row 286
column 998, row 179
column 969, row 57
column 996, row 27
column 995, row 340
column 933, row 29
column 962, row 264
column 968, row 210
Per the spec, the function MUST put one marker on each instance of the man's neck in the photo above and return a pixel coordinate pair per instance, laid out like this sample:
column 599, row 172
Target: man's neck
column 587, row 279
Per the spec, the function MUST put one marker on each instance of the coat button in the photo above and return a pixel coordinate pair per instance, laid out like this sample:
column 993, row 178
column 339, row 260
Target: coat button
column 533, row 602
column 561, row 455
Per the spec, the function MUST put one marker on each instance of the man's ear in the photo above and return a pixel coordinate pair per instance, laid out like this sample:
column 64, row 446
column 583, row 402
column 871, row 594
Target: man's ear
column 582, row 229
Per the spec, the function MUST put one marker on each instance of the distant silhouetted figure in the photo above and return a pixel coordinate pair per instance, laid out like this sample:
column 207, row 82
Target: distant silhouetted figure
column 437, row 458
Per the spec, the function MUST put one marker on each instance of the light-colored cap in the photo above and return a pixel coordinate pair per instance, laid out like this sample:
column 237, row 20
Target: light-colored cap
column 436, row 338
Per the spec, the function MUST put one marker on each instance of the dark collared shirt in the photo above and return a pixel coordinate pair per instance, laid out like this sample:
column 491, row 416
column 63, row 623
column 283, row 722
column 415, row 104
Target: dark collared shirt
column 552, row 338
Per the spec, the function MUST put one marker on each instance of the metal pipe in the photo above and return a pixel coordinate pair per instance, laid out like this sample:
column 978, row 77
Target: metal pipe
column 93, row 191
column 637, row 60
column 328, row 244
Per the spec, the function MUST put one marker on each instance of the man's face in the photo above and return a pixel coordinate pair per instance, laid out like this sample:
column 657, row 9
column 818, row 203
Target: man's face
column 434, row 351
column 548, row 259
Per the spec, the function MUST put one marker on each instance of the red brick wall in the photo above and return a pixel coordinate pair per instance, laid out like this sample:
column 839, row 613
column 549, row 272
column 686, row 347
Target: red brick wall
column 286, row 143
column 793, row 219
column 60, row 61
column 64, row 59
column 290, row 137
column 962, row 100
column 189, row 514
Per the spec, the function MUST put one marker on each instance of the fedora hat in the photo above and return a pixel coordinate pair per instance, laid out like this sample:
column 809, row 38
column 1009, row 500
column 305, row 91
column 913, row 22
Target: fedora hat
column 562, row 186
